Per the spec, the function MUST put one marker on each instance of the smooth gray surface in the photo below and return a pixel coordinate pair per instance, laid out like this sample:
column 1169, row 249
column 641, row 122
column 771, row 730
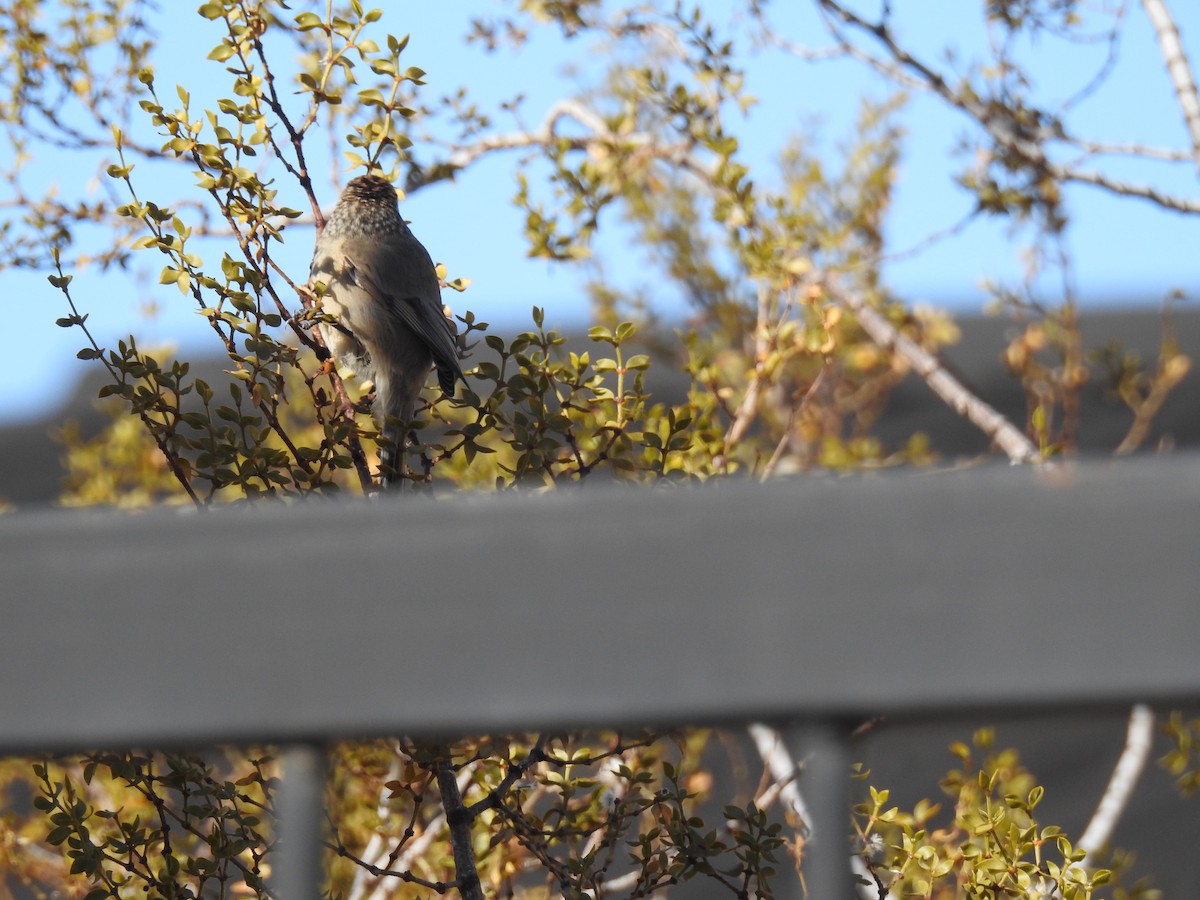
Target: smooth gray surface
column 816, row 598
column 297, row 861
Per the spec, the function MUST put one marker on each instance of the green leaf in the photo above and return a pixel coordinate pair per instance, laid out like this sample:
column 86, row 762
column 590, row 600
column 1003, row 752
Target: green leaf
column 307, row 21
column 371, row 97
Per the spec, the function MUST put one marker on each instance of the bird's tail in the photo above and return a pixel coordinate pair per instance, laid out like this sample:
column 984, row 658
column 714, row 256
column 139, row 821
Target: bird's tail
column 395, row 411
column 391, row 456
column 448, row 378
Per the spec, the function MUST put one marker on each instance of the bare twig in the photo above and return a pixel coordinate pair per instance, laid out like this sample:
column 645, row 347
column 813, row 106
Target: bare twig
column 908, row 70
column 1144, row 151
column 343, row 851
column 747, row 410
column 870, row 885
column 547, row 134
column 1010, row 439
column 798, row 408
column 1177, row 68
column 1124, row 188
column 383, row 867
column 783, row 769
column 1139, row 739
column 374, row 852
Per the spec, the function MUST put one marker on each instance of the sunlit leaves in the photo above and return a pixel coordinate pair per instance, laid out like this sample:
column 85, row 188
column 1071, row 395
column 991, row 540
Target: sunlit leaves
column 987, row 843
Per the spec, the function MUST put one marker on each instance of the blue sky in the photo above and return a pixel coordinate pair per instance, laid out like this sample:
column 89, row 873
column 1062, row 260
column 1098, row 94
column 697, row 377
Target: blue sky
column 1124, row 249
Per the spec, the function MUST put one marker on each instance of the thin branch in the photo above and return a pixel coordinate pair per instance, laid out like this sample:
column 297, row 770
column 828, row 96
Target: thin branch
column 1001, row 128
column 798, row 408
column 783, row 769
column 375, row 848
column 546, row 135
column 1177, row 68
column 747, row 410
column 1139, row 740
column 1010, row 439
column 870, row 885
column 118, row 378
column 1124, row 188
column 920, row 246
column 925, row 77
column 343, row 851
column 1113, row 39
column 1142, row 151
column 300, row 169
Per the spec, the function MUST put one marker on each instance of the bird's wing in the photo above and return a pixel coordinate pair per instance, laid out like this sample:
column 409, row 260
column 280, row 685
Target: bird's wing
column 414, row 299
column 428, row 321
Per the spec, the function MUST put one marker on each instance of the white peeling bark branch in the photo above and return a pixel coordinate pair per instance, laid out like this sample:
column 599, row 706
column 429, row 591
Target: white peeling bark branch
column 1139, row 740
column 365, row 884
column 775, row 756
column 1177, row 68
column 1010, row 439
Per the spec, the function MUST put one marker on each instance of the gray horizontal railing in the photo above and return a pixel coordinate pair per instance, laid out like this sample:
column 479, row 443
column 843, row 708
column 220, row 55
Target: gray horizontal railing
column 1015, row 590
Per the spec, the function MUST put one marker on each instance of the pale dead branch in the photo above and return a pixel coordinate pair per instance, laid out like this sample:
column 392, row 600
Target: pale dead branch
column 595, row 133
column 783, row 770
column 1139, row 740
column 1178, row 68
column 1010, row 439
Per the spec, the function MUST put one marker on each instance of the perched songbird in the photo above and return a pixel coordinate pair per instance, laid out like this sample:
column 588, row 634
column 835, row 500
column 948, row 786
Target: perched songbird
column 382, row 291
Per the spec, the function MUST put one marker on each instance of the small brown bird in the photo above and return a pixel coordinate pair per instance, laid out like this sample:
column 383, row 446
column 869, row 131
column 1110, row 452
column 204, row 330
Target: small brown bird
column 382, row 290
